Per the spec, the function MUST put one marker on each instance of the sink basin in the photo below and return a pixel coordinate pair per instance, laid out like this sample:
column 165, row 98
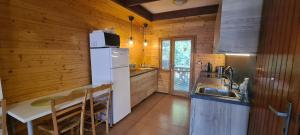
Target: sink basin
column 217, row 92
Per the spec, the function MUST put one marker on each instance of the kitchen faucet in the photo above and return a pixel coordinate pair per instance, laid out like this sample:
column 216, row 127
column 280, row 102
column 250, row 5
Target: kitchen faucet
column 229, row 70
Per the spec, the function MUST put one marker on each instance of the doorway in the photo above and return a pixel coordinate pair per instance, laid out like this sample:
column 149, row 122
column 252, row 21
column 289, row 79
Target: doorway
column 177, row 61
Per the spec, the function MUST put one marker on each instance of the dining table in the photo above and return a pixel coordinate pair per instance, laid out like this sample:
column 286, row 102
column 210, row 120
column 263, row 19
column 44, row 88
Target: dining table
column 30, row 110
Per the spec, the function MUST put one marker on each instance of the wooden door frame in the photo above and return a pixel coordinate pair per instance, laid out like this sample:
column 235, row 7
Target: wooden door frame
column 192, row 67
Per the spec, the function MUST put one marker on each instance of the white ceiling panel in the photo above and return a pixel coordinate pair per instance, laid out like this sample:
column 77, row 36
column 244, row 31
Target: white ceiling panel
column 168, row 5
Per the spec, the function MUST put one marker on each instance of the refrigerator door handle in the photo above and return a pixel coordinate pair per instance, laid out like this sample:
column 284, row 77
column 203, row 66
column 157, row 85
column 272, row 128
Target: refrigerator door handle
column 285, row 115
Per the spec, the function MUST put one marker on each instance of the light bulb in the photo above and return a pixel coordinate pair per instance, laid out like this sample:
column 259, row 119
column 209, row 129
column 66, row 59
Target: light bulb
column 130, row 41
column 145, row 43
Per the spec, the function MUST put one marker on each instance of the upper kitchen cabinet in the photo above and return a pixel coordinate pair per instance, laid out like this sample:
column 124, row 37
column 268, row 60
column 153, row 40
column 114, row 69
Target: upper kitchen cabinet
column 238, row 26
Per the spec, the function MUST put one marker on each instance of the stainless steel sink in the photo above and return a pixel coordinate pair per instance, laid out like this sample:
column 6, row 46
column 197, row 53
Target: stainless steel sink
column 217, row 92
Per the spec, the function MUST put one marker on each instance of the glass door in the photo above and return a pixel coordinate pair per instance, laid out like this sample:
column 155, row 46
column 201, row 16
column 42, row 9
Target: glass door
column 176, row 66
column 181, row 66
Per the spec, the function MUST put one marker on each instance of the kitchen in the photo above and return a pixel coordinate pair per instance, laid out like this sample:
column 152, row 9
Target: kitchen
column 165, row 66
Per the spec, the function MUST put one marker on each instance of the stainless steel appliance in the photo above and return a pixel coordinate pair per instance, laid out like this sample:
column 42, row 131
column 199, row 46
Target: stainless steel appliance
column 220, row 70
column 102, row 39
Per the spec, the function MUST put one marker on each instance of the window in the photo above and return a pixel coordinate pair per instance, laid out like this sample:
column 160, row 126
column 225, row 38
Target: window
column 165, row 54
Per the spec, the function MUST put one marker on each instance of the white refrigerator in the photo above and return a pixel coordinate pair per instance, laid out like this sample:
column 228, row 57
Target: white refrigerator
column 111, row 65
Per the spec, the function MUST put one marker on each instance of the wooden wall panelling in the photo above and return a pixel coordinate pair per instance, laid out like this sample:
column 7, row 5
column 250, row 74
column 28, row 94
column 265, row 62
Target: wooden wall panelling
column 271, row 66
column 274, row 77
column 266, row 86
column 261, row 76
column 277, row 57
column 293, row 91
column 44, row 44
column 283, row 69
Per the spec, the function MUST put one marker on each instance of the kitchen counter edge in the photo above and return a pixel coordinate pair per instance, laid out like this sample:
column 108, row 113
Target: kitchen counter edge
column 140, row 72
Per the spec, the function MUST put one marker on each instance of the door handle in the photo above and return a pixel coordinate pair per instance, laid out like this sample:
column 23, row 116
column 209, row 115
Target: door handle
column 285, row 115
column 279, row 114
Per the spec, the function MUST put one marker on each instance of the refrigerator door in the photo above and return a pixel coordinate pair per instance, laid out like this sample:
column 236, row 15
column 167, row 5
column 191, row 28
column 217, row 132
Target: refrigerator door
column 121, row 93
column 120, row 57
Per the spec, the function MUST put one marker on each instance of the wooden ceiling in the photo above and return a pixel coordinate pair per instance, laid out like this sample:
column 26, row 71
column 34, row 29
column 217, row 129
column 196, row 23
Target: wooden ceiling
column 146, row 8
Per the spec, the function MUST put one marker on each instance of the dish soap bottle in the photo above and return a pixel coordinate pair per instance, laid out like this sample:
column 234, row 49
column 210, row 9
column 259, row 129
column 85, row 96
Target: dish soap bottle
column 243, row 90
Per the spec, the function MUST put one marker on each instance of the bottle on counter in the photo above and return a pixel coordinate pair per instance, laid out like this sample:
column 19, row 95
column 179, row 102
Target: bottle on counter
column 243, row 89
column 209, row 67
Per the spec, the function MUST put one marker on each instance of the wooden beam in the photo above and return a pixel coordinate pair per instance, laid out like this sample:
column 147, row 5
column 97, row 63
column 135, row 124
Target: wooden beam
column 186, row 12
column 130, row 3
column 138, row 9
column 142, row 12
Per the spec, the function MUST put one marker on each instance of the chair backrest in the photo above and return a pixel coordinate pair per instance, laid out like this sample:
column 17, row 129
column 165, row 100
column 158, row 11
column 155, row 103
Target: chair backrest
column 102, row 98
column 3, row 117
column 62, row 115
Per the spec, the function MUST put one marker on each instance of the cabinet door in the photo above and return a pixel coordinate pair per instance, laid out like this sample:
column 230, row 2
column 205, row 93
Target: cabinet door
column 240, row 26
column 209, row 117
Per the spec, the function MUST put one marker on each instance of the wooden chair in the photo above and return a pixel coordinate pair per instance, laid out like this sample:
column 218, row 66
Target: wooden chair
column 99, row 105
column 3, row 112
column 3, row 118
column 67, row 119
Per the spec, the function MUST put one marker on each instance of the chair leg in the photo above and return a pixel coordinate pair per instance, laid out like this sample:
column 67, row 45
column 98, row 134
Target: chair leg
column 106, row 122
column 107, row 127
column 72, row 131
column 93, row 124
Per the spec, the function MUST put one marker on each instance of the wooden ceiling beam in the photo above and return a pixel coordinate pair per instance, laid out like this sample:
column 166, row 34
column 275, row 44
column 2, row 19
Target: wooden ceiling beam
column 130, row 3
column 138, row 9
column 186, row 12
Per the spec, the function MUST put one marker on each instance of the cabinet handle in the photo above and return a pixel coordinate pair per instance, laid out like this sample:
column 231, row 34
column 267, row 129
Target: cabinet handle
column 285, row 115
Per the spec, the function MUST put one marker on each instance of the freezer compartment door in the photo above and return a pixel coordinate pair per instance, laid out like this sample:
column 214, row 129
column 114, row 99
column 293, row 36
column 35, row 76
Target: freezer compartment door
column 120, row 57
column 100, row 66
column 121, row 93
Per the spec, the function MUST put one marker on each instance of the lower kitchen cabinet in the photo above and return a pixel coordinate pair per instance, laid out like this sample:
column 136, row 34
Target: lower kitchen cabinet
column 210, row 117
column 142, row 86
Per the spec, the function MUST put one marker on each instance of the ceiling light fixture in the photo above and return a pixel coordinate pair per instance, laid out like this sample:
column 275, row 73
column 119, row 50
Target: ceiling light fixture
column 131, row 18
column 144, row 33
column 179, row 2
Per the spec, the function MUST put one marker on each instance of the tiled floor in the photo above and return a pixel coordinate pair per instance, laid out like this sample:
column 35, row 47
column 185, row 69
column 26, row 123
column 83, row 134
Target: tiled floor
column 159, row 114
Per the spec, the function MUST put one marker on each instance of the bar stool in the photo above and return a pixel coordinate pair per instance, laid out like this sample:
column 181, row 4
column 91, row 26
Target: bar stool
column 67, row 119
column 98, row 107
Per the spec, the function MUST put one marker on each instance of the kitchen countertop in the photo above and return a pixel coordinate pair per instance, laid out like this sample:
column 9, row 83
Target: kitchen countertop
column 211, row 80
column 139, row 71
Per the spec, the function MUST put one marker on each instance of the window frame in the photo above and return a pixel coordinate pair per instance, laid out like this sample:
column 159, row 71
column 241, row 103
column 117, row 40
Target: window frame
column 161, row 51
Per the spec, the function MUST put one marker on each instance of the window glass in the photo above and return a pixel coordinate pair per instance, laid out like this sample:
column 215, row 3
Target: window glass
column 165, row 57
